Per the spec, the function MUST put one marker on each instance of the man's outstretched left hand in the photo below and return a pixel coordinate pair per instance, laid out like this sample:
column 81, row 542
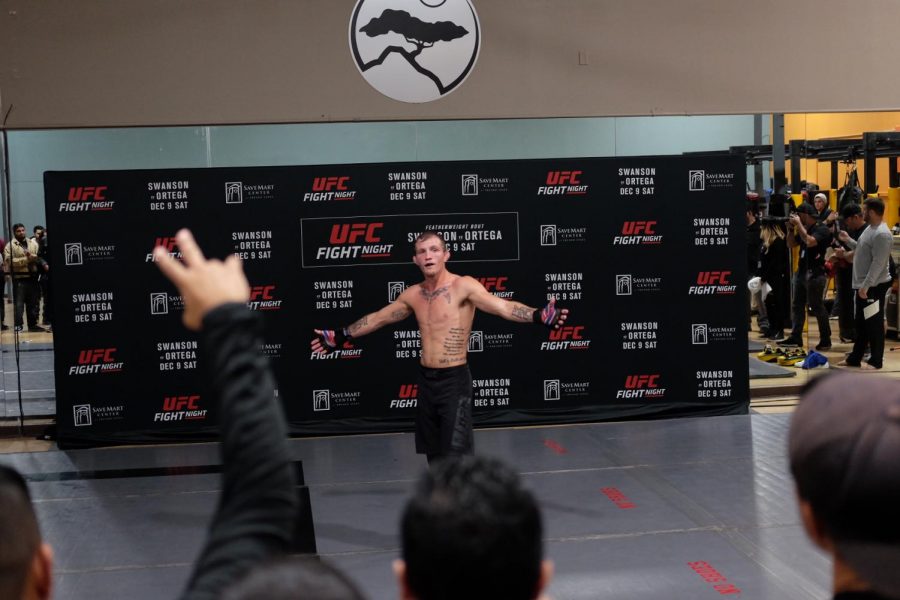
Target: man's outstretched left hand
column 551, row 315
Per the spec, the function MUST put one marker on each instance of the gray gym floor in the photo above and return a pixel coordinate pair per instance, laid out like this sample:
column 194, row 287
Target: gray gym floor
column 707, row 494
column 35, row 364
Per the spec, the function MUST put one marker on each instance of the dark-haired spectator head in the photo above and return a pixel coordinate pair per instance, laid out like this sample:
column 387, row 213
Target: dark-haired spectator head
column 850, row 210
column 19, row 232
column 844, row 446
column 852, row 214
column 876, row 205
column 25, row 562
column 472, row 531
column 293, row 578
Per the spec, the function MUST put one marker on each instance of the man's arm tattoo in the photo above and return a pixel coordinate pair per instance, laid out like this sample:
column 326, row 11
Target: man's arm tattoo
column 358, row 325
column 523, row 312
column 400, row 314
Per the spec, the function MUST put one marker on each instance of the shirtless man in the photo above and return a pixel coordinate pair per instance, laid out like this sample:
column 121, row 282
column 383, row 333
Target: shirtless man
column 444, row 305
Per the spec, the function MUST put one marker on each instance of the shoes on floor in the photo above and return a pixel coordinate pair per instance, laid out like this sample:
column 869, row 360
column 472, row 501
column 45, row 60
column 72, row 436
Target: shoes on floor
column 814, row 360
column 844, row 363
column 775, row 335
column 789, row 341
column 19, row 328
column 824, row 346
column 792, row 357
column 770, row 354
column 4, row 327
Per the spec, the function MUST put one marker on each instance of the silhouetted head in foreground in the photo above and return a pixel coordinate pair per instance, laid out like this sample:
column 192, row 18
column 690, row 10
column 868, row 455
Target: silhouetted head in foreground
column 472, row 531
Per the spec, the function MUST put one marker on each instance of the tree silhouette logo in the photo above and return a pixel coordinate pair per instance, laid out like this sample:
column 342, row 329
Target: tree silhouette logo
column 415, row 50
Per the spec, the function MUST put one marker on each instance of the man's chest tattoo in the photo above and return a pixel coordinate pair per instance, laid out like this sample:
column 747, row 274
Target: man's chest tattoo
column 442, row 291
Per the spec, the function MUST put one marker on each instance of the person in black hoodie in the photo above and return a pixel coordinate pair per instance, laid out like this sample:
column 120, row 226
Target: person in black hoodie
column 254, row 520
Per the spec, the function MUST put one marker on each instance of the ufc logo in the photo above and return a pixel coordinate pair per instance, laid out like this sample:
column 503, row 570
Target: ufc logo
column 713, row 277
column 180, row 403
column 81, row 194
column 563, row 177
column 637, row 227
column 567, row 333
column 636, row 382
column 409, row 391
column 327, row 184
column 168, row 243
column 349, row 233
column 494, row 283
column 92, row 357
column 261, row 292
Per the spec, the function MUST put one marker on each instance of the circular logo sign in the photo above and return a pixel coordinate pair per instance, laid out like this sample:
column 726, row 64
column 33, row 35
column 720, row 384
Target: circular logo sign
column 415, row 50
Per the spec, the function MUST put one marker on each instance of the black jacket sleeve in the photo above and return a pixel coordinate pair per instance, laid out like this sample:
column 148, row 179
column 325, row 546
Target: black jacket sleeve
column 255, row 516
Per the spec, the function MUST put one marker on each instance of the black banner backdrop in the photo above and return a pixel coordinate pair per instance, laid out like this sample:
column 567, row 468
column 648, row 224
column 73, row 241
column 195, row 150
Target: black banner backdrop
column 646, row 252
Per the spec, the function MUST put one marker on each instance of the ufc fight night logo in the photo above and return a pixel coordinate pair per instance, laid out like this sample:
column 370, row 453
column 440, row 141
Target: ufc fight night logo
column 642, row 386
column 711, row 283
column 407, row 397
column 180, row 408
column 262, row 297
column 87, row 198
column 561, row 183
column 638, row 233
column 170, row 245
column 567, row 337
column 96, row 360
column 330, row 189
column 355, row 240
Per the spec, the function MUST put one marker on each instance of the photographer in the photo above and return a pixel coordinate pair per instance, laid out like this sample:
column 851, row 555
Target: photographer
column 854, row 224
column 813, row 238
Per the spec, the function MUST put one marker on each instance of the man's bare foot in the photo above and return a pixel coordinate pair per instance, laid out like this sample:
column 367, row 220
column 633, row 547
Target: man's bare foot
column 867, row 367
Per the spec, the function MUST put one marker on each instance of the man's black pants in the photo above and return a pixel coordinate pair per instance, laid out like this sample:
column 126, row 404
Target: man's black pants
column 869, row 331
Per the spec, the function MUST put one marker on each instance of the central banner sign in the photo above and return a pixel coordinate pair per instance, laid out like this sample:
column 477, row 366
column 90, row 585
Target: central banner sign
column 646, row 252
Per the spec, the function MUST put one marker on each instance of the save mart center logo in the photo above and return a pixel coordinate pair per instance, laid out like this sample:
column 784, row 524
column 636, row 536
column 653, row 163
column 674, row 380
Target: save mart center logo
column 415, row 50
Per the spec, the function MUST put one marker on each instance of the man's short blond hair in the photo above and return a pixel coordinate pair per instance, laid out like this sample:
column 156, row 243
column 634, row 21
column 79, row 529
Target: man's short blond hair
column 428, row 234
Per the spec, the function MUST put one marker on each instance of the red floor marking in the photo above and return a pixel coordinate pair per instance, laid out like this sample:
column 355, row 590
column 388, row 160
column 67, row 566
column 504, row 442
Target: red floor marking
column 618, row 498
column 711, row 575
column 555, row 446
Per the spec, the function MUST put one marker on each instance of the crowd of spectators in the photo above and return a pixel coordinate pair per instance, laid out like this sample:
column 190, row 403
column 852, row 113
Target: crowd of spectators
column 851, row 247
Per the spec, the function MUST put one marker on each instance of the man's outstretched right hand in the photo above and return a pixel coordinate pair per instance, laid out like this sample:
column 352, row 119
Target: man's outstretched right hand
column 327, row 340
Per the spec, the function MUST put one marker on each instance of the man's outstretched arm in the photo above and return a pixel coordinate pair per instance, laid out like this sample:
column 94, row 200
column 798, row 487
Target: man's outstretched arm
column 256, row 512
column 327, row 340
column 550, row 315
